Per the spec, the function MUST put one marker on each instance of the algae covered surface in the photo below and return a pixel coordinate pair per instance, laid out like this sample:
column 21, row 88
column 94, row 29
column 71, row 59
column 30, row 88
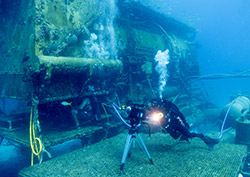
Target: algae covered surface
column 171, row 158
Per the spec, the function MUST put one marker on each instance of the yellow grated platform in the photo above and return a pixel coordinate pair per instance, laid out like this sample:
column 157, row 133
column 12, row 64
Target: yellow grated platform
column 171, row 158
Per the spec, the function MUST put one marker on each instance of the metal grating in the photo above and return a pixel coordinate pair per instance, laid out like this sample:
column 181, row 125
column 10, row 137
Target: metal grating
column 171, row 158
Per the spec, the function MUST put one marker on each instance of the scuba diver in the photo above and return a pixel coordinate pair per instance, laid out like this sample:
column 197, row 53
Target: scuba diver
column 85, row 108
column 174, row 123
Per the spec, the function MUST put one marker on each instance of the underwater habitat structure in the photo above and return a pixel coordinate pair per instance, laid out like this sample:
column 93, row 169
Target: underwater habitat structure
column 48, row 39
column 58, row 57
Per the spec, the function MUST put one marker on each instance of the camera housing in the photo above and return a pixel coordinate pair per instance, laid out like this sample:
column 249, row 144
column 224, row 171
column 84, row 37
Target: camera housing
column 139, row 113
column 136, row 114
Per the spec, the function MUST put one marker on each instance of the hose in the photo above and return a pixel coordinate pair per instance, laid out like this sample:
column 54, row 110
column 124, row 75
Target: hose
column 34, row 139
column 119, row 115
column 224, row 121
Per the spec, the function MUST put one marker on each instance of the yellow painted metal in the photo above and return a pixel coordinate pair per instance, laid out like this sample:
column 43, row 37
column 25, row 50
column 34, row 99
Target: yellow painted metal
column 48, row 36
column 80, row 62
column 57, row 19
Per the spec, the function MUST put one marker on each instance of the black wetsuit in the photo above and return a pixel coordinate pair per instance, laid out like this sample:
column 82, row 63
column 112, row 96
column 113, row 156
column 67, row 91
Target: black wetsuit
column 176, row 125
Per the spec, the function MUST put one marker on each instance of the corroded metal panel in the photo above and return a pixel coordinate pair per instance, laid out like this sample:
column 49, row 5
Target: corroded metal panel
column 61, row 26
column 44, row 31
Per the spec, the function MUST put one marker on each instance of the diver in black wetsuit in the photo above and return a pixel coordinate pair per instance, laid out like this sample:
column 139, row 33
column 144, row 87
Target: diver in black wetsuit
column 176, row 125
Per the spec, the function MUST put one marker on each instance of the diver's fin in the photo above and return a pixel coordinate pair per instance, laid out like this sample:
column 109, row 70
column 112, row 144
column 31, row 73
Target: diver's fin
column 184, row 138
column 210, row 142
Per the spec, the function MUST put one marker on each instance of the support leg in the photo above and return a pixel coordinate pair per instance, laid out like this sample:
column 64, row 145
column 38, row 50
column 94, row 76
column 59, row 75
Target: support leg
column 133, row 145
column 145, row 148
column 126, row 150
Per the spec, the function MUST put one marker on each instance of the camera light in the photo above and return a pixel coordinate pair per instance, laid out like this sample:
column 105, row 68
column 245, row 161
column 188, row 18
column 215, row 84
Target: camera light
column 157, row 116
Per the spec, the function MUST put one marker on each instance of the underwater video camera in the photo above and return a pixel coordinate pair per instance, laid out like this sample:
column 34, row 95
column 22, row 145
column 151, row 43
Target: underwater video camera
column 139, row 113
column 136, row 114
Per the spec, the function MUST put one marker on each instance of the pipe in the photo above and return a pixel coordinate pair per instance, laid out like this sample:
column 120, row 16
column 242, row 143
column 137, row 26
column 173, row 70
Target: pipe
column 80, row 62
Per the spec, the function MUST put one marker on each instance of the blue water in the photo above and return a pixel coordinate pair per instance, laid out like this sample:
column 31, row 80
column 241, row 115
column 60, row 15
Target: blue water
column 223, row 28
column 223, row 33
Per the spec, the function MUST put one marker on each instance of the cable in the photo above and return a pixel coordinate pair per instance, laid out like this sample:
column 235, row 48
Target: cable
column 212, row 76
column 34, row 139
column 219, row 76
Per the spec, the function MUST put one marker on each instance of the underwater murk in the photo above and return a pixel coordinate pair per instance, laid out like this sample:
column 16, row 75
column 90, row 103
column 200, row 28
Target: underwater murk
column 124, row 88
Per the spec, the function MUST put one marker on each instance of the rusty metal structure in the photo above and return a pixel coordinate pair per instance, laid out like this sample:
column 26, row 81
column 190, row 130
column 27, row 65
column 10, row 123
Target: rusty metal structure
column 54, row 51
column 49, row 53
column 43, row 53
column 28, row 69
